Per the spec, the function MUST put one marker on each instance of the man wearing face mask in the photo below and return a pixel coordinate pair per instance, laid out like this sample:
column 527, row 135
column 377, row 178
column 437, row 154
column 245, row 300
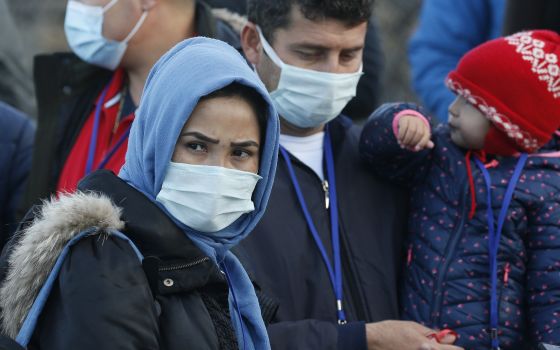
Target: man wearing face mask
column 329, row 246
column 87, row 99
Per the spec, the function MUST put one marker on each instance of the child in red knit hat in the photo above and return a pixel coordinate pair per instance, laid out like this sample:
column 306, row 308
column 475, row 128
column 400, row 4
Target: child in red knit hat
column 483, row 253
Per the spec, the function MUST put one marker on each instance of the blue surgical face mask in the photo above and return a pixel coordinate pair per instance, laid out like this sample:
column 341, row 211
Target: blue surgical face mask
column 307, row 98
column 207, row 198
column 83, row 26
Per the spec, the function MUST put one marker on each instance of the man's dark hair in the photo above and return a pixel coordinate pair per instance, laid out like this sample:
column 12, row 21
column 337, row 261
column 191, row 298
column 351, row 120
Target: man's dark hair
column 252, row 97
column 271, row 15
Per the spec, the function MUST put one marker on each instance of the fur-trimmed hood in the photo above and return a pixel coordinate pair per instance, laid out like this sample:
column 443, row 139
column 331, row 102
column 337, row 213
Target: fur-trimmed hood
column 34, row 255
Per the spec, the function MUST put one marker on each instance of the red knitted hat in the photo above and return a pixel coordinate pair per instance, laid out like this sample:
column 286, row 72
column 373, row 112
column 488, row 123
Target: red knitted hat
column 515, row 82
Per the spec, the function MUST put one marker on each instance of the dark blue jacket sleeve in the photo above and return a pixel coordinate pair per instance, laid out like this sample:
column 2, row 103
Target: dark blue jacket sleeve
column 317, row 335
column 380, row 150
column 101, row 300
column 543, row 268
column 446, row 31
column 17, row 138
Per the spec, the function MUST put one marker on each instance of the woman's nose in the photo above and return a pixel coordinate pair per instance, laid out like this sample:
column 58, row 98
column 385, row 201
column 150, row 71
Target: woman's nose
column 220, row 160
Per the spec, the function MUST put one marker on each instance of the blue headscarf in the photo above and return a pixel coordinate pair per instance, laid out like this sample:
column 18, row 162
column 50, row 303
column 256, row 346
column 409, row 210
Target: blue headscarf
column 192, row 69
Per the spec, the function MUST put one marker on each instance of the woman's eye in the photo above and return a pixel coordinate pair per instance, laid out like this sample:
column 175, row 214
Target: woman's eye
column 242, row 153
column 196, row 147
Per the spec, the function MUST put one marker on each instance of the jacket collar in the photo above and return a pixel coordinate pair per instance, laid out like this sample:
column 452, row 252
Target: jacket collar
column 146, row 224
column 205, row 23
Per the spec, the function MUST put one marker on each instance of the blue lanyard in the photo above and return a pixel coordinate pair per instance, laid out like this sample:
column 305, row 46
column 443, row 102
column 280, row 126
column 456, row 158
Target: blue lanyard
column 494, row 238
column 93, row 139
column 335, row 274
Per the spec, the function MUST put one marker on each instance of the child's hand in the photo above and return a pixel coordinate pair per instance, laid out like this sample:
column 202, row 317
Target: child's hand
column 414, row 134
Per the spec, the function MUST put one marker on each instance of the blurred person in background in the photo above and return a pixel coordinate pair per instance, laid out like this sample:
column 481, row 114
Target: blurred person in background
column 16, row 88
column 522, row 15
column 16, row 145
column 86, row 99
column 446, row 31
column 527, row 15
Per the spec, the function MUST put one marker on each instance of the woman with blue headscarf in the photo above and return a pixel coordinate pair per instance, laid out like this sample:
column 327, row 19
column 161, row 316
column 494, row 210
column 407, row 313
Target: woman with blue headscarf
column 142, row 260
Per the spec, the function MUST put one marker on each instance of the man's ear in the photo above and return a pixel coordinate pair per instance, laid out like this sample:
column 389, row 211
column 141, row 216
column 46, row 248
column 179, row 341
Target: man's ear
column 251, row 43
column 147, row 5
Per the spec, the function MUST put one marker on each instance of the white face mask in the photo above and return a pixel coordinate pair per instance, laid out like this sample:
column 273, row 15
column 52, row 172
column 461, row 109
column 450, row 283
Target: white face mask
column 83, row 26
column 207, row 198
column 308, row 98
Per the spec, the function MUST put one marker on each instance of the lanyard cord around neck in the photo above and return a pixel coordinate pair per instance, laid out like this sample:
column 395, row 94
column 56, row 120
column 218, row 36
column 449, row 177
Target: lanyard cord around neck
column 94, row 134
column 335, row 274
column 494, row 238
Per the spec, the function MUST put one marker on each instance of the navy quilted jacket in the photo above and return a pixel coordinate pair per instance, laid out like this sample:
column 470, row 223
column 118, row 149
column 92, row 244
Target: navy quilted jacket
column 447, row 283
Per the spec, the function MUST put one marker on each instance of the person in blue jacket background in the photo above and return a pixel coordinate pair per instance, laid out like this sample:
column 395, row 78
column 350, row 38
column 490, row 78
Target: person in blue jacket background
column 446, row 31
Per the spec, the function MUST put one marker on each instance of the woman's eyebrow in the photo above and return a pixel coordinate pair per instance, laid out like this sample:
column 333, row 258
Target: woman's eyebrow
column 248, row 143
column 200, row 136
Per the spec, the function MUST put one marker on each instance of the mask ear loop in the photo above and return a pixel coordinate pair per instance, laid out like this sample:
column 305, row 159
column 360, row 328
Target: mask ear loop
column 136, row 27
column 269, row 50
column 109, row 5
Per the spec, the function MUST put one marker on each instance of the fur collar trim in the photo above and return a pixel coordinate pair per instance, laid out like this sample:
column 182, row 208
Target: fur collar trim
column 235, row 20
column 39, row 245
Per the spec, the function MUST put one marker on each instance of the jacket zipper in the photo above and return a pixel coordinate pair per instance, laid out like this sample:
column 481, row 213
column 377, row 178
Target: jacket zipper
column 349, row 278
column 449, row 252
column 327, row 196
column 184, row 266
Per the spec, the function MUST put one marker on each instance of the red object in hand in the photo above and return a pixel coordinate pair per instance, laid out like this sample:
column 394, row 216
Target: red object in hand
column 439, row 336
column 507, row 269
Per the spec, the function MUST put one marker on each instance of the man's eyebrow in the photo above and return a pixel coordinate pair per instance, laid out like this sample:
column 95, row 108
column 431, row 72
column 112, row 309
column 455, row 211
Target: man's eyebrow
column 309, row 46
column 317, row 47
column 355, row 48
column 200, row 136
column 248, row 143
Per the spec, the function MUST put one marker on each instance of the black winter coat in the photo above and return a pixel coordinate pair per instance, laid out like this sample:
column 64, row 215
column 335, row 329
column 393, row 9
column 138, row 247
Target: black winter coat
column 105, row 298
column 286, row 263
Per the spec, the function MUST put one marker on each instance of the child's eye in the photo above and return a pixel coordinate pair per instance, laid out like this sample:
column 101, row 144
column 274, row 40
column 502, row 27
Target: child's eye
column 196, row 147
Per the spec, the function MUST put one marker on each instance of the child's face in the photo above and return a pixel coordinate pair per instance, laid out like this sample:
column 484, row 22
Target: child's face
column 468, row 126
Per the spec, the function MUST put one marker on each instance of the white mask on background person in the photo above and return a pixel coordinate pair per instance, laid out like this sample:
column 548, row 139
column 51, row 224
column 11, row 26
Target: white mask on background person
column 83, row 26
column 308, row 98
column 207, row 198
